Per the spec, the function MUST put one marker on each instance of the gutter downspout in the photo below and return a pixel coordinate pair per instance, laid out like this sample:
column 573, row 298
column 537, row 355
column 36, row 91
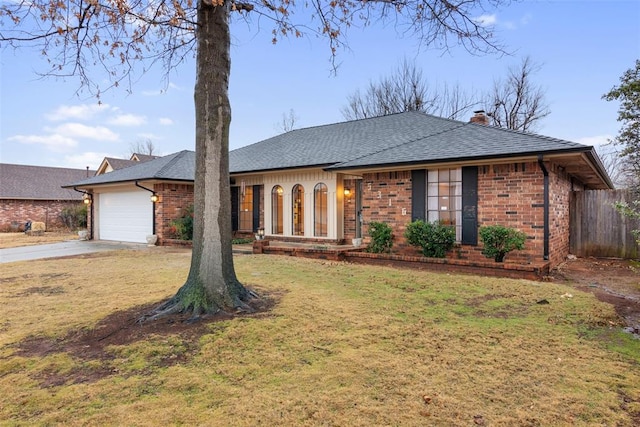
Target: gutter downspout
column 90, row 204
column 545, row 172
column 153, row 208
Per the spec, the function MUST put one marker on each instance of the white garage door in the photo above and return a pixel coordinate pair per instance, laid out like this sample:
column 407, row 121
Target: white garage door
column 125, row 216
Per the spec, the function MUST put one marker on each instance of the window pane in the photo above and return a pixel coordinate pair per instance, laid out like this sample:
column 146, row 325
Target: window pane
column 432, row 189
column 246, row 210
column 444, row 198
column 297, row 208
column 320, row 210
column 432, row 203
column 456, row 189
column 444, row 204
column 276, row 210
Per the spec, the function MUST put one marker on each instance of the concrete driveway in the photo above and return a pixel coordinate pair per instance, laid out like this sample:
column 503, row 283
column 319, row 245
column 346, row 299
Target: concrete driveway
column 69, row 248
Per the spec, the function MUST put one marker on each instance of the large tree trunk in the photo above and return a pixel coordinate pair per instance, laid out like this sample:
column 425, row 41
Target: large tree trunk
column 212, row 284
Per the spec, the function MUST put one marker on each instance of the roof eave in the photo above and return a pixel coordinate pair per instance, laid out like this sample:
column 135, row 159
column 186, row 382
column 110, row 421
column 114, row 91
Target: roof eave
column 324, row 166
column 459, row 159
column 124, row 181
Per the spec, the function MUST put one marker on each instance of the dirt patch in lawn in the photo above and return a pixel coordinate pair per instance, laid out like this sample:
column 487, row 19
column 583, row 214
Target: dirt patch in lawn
column 614, row 281
column 123, row 328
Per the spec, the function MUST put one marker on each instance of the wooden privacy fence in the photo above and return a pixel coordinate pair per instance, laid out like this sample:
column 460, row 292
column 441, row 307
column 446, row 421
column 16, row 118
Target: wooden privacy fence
column 597, row 229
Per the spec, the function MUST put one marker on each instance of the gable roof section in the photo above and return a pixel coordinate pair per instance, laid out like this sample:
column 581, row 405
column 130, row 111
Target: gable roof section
column 410, row 137
column 402, row 139
column 38, row 182
column 406, row 139
column 336, row 143
column 178, row 166
column 115, row 164
column 464, row 142
column 138, row 157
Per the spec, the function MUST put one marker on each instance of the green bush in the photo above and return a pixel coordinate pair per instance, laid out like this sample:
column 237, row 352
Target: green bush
column 182, row 228
column 435, row 238
column 499, row 241
column 381, row 237
column 74, row 217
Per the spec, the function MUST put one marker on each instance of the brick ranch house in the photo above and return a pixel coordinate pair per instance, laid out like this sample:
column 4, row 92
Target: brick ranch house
column 35, row 193
column 326, row 183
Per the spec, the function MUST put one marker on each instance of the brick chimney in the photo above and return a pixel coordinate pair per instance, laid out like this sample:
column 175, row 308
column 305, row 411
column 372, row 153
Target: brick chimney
column 480, row 118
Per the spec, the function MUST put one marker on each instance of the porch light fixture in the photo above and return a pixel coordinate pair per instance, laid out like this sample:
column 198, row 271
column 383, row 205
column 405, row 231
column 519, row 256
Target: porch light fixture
column 347, row 192
column 154, row 198
column 86, row 199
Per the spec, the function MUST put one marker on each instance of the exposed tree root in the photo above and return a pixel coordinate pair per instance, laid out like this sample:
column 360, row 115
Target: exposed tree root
column 181, row 304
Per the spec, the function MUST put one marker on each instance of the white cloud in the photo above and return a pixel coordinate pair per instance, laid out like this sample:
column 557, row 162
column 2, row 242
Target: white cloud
column 165, row 121
column 76, row 112
column 486, row 20
column 54, row 142
column 128, row 120
column 78, row 130
column 594, row 140
column 83, row 160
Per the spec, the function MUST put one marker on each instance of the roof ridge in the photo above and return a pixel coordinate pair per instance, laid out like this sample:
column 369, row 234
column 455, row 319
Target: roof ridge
column 170, row 163
column 531, row 134
column 459, row 125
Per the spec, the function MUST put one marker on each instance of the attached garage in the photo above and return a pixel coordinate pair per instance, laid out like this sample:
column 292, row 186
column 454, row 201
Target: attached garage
column 124, row 216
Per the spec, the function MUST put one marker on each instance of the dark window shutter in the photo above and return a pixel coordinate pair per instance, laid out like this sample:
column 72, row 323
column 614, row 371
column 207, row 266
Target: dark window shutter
column 418, row 194
column 256, row 207
column 234, row 208
column 470, row 205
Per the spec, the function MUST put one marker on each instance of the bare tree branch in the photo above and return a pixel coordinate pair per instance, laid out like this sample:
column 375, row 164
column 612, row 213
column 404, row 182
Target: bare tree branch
column 516, row 103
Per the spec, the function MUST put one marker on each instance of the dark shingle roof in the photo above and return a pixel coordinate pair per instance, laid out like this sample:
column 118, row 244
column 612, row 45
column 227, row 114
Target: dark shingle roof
column 143, row 157
column 398, row 139
column 178, row 166
column 38, row 182
column 410, row 137
column 120, row 163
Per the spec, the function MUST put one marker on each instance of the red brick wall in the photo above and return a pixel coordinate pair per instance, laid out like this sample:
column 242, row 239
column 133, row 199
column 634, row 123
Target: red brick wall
column 19, row 211
column 512, row 195
column 559, row 214
column 384, row 196
column 509, row 194
column 174, row 198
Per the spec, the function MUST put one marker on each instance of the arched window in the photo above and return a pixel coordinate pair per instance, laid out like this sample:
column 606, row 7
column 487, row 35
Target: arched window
column 277, row 226
column 320, row 210
column 297, row 210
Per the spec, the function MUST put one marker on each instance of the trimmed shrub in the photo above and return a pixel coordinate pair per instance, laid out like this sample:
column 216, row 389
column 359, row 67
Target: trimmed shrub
column 381, row 237
column 435, row 238
column 499, row 241
column 182, row 228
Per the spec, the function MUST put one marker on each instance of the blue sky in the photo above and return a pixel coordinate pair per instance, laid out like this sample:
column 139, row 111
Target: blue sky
column 583, row 48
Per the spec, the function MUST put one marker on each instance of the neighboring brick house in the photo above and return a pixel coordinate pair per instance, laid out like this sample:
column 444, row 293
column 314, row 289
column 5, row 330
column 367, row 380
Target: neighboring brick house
column 35, row 193
column 326, row 183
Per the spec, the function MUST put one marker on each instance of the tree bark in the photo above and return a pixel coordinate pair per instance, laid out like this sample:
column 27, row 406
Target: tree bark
column 212, row 284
